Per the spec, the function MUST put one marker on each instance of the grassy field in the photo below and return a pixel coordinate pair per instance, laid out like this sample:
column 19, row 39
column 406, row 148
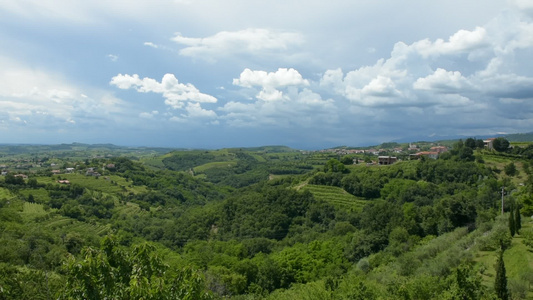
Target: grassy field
column 335, row 196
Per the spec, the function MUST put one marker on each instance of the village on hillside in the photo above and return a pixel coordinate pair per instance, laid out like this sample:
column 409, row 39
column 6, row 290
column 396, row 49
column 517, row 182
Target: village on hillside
column 384, row 154
column 390, row 153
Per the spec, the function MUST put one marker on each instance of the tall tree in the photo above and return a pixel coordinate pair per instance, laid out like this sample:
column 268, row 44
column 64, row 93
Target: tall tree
column 470, row 143
column 510, row 169
column 500, row 144
column 500, row 283
column 512, row 226
column 518, row 219
column 480, row 144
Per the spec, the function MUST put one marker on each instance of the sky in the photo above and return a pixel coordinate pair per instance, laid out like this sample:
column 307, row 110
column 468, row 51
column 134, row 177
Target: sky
column 235, row 73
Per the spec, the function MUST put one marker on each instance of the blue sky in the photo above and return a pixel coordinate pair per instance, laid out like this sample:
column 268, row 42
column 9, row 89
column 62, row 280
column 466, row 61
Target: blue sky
column 233, row 73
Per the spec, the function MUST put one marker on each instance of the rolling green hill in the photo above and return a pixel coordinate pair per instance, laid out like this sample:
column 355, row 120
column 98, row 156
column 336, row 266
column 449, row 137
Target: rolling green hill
column 262, row 223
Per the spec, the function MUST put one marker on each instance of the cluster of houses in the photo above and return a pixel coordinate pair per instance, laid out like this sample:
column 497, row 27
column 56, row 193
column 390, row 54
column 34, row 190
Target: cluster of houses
column 4, row 171
column 92, row 172
column 88, row 172
column 341, row 151
column 433, row 152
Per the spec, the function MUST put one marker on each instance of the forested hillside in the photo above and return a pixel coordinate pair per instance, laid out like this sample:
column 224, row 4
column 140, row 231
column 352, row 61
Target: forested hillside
column 264, row 223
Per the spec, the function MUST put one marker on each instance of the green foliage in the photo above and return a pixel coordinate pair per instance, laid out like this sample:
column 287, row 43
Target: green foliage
column 11, row 179
column 310, row 291
column 347, row 160
column 364, row 243
column 267, row 212
column 23, row 283
column 465, row 283
column 470, row 143
column 527, row 236
column 496, row 236
column 305, row 263
column 449, row 171
column 136, row 273
column 334, row 166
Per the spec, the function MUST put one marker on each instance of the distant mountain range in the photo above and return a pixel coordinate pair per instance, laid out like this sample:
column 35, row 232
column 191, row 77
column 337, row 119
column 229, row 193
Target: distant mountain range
column 28, row 148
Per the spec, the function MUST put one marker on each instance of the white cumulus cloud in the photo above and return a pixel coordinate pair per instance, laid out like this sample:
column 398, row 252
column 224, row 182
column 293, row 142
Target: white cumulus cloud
column 253, row 41
column 380, row 86
column 270, row 82
column 462, row 41
column 149, row 115
column 112, row 57
column 472, row 66
column 302, row 109
column 150, row 44
column 174, row 92
column 195, row 113
column 443, row 81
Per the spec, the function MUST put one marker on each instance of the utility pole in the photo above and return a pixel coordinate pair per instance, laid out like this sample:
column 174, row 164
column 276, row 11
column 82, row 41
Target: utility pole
column 503, row 193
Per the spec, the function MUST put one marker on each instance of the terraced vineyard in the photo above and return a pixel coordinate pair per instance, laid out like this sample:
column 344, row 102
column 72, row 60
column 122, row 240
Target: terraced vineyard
column 336, row 196
column 4, row 193
column 129, row 209
column 40, row 195
column 59, row 222
column 31, row 211
column 217, row 164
